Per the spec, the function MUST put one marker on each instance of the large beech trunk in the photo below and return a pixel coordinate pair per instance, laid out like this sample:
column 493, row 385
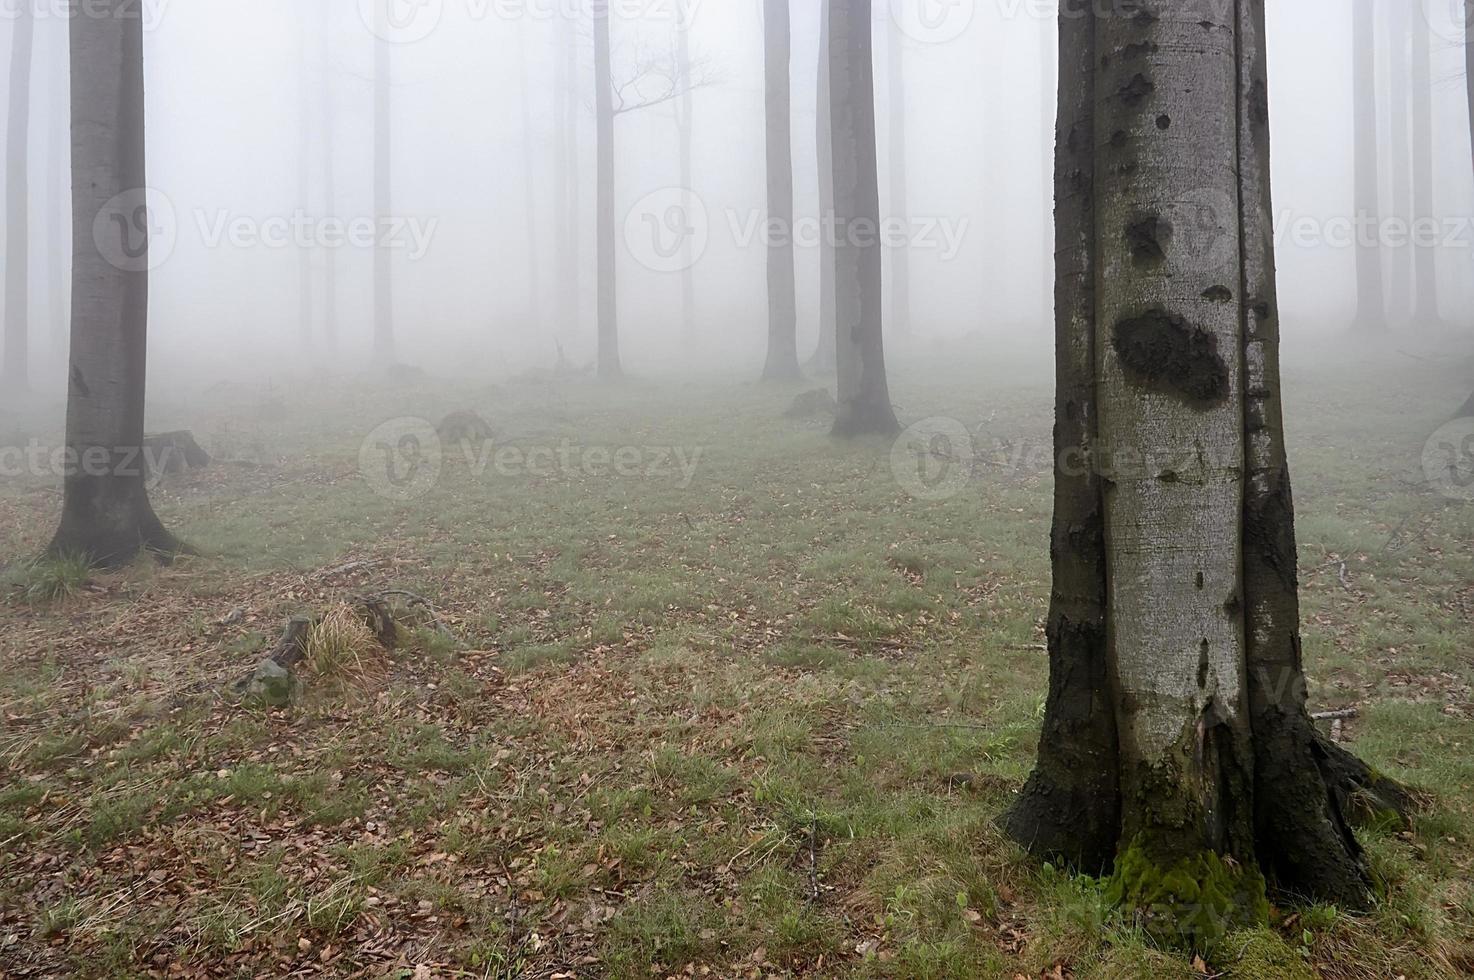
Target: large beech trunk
column 823, row 359
column 1177, row 746
column 106, row 514
column 15, row 374
column 782, row 362
column 864, row 395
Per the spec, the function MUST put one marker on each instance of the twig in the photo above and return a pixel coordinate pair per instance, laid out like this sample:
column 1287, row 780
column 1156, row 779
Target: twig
column 1338, row 715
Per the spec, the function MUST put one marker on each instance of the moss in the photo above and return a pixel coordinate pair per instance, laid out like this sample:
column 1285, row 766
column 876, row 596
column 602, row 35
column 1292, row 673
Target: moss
column 1261, row 955
column 1133, row 961
column 1194, row 903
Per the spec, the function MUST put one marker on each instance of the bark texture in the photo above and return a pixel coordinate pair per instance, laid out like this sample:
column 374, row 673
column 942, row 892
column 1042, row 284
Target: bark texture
column 1177, row 742
column 609, row 368
column 106, row 514
column 15, row 374
column 823, row 359
column 782, row 362
column 864, row 394
column 1371, row 301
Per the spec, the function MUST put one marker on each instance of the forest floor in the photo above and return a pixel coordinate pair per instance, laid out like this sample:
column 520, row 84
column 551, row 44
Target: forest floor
column 757, row 724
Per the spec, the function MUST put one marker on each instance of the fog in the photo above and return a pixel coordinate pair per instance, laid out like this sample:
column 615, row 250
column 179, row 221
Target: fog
column 236, row 110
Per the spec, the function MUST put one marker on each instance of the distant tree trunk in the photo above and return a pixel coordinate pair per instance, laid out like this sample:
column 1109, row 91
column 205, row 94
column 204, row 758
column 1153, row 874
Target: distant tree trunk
column 566, row 103
column 685, row 122
column 1049, row 91
column 1425, row 257
column 15, row 374
column 58, row 194
column 327, row 124
column 864, row 394
column 106, row 513
column 782, row 363
column 823, row 361
column 1400, row 272
column 899, row 203
column 304, row 182
column 383, row 198
column 1469, row 68
column 529, row 193
column 1176, row 742
column 609, row 367
column 1371, row 312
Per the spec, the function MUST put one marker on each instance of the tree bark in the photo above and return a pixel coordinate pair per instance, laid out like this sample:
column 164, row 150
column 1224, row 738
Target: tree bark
column 15, row 374
column 1425, row 258
column 782, row 362
column 58, row 194
column 685, row 109
column 899, row 206
column 1371, row 303
column 609, row 367
column 106, row 514
column 383, row 197
column 823, row 359
column 1176, row 738
column 864, row 394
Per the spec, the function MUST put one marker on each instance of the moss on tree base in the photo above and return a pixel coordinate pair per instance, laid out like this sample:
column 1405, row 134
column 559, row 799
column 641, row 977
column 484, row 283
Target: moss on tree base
column 1194, row 903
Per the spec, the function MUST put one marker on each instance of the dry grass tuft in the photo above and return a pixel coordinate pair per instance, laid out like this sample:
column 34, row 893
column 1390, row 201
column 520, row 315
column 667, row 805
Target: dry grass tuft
column 341, row 647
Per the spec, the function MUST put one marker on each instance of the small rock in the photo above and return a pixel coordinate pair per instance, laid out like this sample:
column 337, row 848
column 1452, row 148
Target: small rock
column 270, row 686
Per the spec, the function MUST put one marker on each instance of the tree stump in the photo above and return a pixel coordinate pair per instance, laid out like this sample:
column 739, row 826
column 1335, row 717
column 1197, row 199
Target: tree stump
column 168, row 453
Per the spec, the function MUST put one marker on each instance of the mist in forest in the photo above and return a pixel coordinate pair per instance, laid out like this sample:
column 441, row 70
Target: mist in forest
column 254, row 110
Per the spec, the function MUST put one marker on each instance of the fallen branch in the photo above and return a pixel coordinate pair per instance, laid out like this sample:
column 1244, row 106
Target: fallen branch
column 1337, row 715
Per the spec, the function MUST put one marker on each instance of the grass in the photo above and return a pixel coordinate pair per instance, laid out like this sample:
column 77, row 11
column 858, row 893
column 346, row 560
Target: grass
column 762, row 723
column 49, row 579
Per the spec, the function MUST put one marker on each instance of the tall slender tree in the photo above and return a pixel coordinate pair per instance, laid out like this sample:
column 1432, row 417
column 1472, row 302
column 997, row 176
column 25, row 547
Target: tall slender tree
column 58, row 193
column 15, row 374
column 306, row 125
column 327, row 118
column 1177, row 745
column 823, row 360
column 383, row 190
column 106, row 514
column 1425, row 257
column 529, row 189
column 897, row 143
column 864, row 393
column 1371, row 303
column 685, row 134
column 567, row 181
column 608, row 363
column 782, row 363
column 1398, row 22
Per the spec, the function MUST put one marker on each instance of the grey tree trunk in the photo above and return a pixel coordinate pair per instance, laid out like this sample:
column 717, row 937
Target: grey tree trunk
column 1425, row 258
column 58, row 195
column 782, row 363
column 1399, row 260
column 567, row 183
column 1469, row 67
column 864, row 394
column 685, row 121
column 1176, row 740
column 529, row 194
column 609, row 367
column 327, row 125
column 823, row 359
column 304, row 181
column 899, row 204
column 383, row 198
column 15, row 373
column 1371, row 313
column 106, row 514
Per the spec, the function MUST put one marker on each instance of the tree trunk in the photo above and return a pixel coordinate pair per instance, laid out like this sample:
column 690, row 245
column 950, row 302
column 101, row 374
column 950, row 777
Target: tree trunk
column 864, row 395
column 1371, row 313
column 782, row 363
column 823, row 359
column 1400, row 271
column 609, row 367
column 327, row 124
column 529, row 194
column 684, row 124
column 304, row 183
column 567, row 183
column 1425, row 257
column 106, row 513
column 1176, row 739
column 15, row 374
column 1049, row 88
column 901, row 256
column 383, row 197
column 1469, row 68
column 58, row 200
